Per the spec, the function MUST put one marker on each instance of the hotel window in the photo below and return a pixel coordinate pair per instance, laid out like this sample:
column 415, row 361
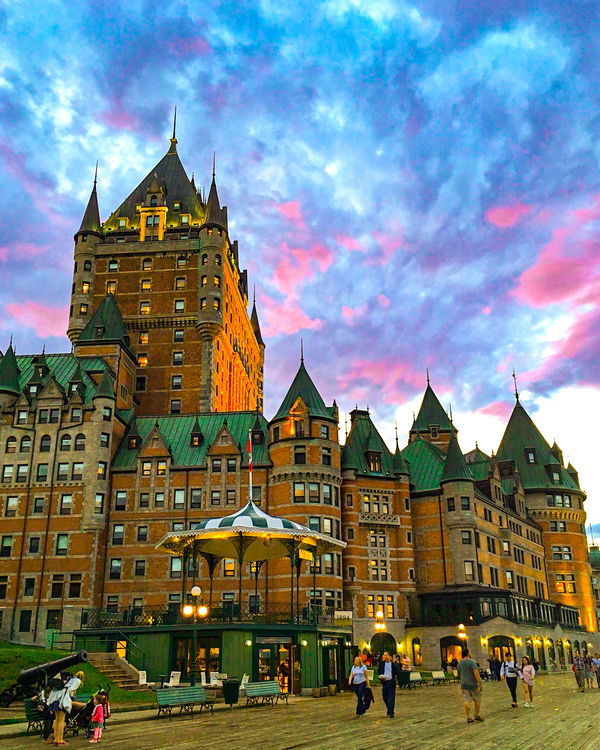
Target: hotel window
column 494, row 578
column 558, row 526
column 465, row 503
column 216, row 303
column 99, row 503
column 195, row 498
column 22, row 472
column 216, row 464
column 176, row 382
column 104, row 439
column 42, row 473
column 181, row 261
column 179, row 306
column 120, row 500
column 153, row 219
column 77, row 471
column 327, row 494
column 178, row 335
column 324, row 432
column 22, row 416
column 7, row 473
column 11, row 506
column 159, row 499
column 74, row 586
column 145, row 308
column 118, row 535
column 299, row 454
column 469, row 570
column 112, row 603
column 101, row 471
column 180, row 282
column 62, row 472
column 144, row 500
column 565, row 583
column 298, row 428
column 113, row 265
column 217, row 281
column 349, row 534
column 146, row 285
column 115, row 569
column 185, row 219
column 85, row 287
column 122, row 223
column 218, row 260
column 314, row 495
column 147, row 264
column 232, row 464
column 203, row 303
column 231, row 497
column 465, row 537
column 450, row 503
column 76, row 414
column 505, row 548
column 177, row 358
column 229, row 568
column 62, row 545
column 378, row 570
column 179, row 499
column 87, row 265
column 140, row 568
column 510, row 581
column 215, row 497
column 6, row 546
column 299, row 492
column 140, row 383
column 530, row 455
column 38, row 504
column 65, row 443
column 326, row 456
column 175, row 406
column 161, row 468
column 34, row 545
column 83, row 309
column 66, row 505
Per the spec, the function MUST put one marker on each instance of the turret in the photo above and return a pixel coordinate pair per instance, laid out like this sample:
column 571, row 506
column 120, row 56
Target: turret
column 86, row 239
column 9, row 378
column 432, row 422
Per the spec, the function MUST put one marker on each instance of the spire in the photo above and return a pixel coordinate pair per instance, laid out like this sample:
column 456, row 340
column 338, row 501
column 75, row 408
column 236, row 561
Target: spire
column 427, row 371
column 213, row 206
column 173, row 147
column 303, row 387
column 455, row 468
column 399, row 465
column 515, row 382
column 91, row 217
column 9, row 372
column 301, row 351
column 431, row 413
column 106, row 324
column 255, row 324
column 214, row 164
column 105, row 389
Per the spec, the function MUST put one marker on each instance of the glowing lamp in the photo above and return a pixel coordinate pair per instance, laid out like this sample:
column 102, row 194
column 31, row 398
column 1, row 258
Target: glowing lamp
column 461, row 627
column 462, row 635
column 248, row 642
column 379, row 614
column 304, row 643
column 196, row 591
column 187, row 610
column 202, row 610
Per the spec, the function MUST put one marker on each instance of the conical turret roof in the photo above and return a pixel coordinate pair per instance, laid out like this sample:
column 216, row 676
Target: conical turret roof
column 214, row 213
column 455, row 468
column 431, row 413
column 91, row 218
column 303, row 387
column 398, row 463
column 106, row 324
column 105, row 389
column 9, row 373
column 255, row 324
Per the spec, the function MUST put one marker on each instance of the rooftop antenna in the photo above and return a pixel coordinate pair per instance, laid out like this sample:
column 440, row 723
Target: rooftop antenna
column 96, row 174
column 514, row 375
column 592, row 533
column 427, row 371
column 214, row 164
column 302, row 351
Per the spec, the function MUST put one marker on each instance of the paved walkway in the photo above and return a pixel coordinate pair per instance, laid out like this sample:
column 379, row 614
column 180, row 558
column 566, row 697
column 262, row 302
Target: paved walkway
column 426, row 719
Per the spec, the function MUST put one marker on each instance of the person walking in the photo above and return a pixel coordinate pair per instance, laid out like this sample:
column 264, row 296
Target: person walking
column 470, row 685
column 509, row 672
column 404, row 679
column 359, row 679
column 388, row 674
column 588, row 671
column 578, row 671
column 528, row 676
column 596, row 665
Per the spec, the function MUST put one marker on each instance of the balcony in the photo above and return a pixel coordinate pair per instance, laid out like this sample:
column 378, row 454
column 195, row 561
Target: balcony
column 382, row 519
column 223, row 612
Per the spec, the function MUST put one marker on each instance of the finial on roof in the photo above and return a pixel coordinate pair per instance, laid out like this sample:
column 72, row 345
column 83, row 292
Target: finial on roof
column 592, row 533
column 302, row 351
column 396, row 431
column 514, row 375
column 96, row 174
column 368, row 412
column 427, row 371
column 214, row 164
column 174, row 139
column 476, row 445
column 44, row 349
column 254, row 294
column 10, row 342
column 450, row 413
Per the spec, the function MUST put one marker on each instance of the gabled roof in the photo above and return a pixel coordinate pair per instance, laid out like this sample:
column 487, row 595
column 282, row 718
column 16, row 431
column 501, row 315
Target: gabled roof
column 63, row 368
column 91, row 218
column 426, row 462
column 171, row 176
column 521, row 435
column 303, row 387
column 455, row 467
column 362, row 439
column 9, row 373
column 106, row 324
column 431, row 413
column 176, row 429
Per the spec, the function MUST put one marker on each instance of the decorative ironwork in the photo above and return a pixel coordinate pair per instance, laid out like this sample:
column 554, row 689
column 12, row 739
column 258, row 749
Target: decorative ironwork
column 386, row 519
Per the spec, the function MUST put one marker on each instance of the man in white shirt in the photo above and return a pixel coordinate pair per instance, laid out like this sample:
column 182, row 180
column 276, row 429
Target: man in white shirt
column 388, row 674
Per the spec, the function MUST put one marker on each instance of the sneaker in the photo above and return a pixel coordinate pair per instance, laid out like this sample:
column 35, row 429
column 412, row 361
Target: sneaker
column 527, row 705
column 470, row 721
column 479, row 718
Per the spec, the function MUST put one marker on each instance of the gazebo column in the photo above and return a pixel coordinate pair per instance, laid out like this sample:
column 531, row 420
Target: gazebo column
column 212, row 561
column 298, row 571
column 242, row 543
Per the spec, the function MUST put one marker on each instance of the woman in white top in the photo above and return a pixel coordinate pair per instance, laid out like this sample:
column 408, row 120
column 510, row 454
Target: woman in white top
column 73, row 686
column 59, row 703
column 359, row 680
column 510, row 673
column 528, row 676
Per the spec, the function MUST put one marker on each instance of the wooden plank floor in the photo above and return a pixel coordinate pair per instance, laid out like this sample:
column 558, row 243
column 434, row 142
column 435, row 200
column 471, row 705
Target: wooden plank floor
column 426, row 719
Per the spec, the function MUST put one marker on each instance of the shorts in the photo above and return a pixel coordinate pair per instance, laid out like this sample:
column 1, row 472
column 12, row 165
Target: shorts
column 471, row 695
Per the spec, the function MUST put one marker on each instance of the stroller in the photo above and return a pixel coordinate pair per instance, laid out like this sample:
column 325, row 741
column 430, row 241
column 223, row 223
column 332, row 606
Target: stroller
column 79, row 719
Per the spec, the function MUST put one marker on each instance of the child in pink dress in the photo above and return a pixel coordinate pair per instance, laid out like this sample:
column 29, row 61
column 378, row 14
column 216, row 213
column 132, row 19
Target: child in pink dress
column 528, row 676
column 97, row 721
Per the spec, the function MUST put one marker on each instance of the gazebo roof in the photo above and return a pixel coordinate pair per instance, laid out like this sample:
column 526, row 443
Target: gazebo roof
column 251, row 533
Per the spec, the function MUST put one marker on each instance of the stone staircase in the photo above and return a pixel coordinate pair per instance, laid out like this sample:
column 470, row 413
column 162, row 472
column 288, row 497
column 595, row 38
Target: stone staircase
column 117, row 670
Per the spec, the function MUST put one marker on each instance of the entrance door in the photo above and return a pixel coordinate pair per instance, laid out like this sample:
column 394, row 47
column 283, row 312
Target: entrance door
column 499, row 646
column 331, row 666
column 281, row 662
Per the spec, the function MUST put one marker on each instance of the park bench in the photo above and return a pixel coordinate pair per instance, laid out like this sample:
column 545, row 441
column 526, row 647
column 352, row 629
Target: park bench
column 35, row 718
column 184, row 697
column 266, row 691
column 440, row 678
column 416, row 680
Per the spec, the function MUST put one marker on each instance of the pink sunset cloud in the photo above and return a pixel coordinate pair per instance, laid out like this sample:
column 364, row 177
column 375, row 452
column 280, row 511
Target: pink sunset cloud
column 299, row 265
column 46, row 321
column 20, row 250
column 291, row 210
column 351, row 315
column 389, row 244
column 118, row 117
column 486, row 310
column 383, row 300
column 507, row 216
column 394, row 378
column 286, row 317
column 500, row 409
column 349, row 243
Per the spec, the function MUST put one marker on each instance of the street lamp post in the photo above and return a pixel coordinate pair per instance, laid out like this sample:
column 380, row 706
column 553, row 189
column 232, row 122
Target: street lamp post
column 193, row 609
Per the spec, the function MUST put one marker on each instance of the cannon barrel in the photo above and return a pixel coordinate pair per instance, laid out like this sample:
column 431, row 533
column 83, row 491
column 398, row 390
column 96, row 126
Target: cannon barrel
column 51, row 668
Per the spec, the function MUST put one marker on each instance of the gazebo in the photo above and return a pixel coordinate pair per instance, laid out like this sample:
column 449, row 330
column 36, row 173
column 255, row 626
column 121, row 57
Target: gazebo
column 250, row 535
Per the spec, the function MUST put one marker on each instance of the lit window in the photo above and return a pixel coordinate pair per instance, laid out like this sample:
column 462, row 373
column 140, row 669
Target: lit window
column 62, row 545
column 161, row 468
column 218, row 260
column 111, row 287
column 179, row 306
column 85, row 287
column 180, row 282
column 216, row 303
column 217, row 281
column 142, row 360
column 185, row 219
column 144, row 308
column 102, row 465
column 229, row 568
column 203, row 303
column 122, row 223
column 147, row 264
column 143, row 339
column 177, row 335
column 146, row 285
column 176, row 206
column 181, row 261
column 146, row 468
column 83, row 309
column 113, row 265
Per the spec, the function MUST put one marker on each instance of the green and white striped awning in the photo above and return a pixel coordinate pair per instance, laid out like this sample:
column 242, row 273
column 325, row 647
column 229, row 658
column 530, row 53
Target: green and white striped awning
column 257, row 534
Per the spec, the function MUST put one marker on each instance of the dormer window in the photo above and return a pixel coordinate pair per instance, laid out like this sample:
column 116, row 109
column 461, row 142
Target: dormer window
column 185, row 219
column 298, row 428
column 196, row 440
column 122, row 223
column 113, row 265
column 133, row 441
column 137, row 207
column 99, row 332
column 154, row 200
column 556, row 477
column 257, row 437
column 33, row 389
column 374, row 461
column 530, row 455
column 433, row 431
column 176, row 206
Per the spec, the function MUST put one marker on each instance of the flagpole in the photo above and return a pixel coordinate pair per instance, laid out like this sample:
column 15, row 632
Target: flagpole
column 249, row 465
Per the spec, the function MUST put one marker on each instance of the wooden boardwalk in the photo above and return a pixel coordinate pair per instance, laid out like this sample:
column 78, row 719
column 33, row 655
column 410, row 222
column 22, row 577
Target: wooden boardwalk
column 426, row 719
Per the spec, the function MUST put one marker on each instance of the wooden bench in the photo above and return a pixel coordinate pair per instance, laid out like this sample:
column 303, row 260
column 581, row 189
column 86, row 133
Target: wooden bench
column 35, row 718
column 440, row 678
column 265, row 691
column 184, row 697
column 417, row 680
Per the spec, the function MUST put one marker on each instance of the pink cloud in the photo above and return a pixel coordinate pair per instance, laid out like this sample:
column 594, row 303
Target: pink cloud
column 192, row 46
column 297, row 266
column 389, row 244
column 507, row 216
column 120, row 118
column 46, row 321
column 286, row 317
column 291, row 210
column 383, row 300
column 351, row 315
column 501, row 409
column 19, row 250
column 349, row 243
column 486, row 310
column 394, row 378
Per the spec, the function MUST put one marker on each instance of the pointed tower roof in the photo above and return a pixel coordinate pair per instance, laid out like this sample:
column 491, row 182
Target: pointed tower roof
column 431, row 413
column 363, row 439
column 171, row 175
column 303, row 387
column 214, row 213
column 106, row 324
column 399, row 465
column 77, row 376
column 105, row 389
column 522, row 437
column 9, row 373
column 455, row 468
column 91, row 218
column 255, row 324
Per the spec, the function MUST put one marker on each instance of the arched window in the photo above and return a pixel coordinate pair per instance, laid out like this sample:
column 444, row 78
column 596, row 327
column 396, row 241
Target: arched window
column 153, row 200
column 80, row 442
column 65, row 443
column 416, row 649
column 204, row 259
column 218, row 260
column 217, row 281
column 87, row 265
column 45, row 444
column 25, row 444
column 11, row 445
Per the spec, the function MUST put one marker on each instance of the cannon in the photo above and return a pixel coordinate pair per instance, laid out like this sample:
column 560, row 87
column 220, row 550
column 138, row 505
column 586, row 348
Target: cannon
column 31, row 681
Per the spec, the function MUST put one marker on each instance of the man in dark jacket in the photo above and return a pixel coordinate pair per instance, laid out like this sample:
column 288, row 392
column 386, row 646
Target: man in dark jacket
column 389, row 672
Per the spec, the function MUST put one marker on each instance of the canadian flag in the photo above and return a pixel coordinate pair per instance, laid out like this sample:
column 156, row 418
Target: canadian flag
column 249, row 450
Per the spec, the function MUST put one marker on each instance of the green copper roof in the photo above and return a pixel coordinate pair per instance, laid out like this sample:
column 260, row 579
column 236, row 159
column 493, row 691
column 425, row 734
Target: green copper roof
column 105, row 389
column 363, row 437
column 398, row 463
column 176, row 431
column 214, row 213
column 91, row 218
column 431, row 413
column 522, row 435
column 455, row 467
column 303, row 387
column 594, row 555
column 106, row 324
column 9, row 373
column 426, row 462
column 63, row 367
column 171, row 176
column 480, row 469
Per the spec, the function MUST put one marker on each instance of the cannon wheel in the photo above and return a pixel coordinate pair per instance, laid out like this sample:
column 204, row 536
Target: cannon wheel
column 9, row 695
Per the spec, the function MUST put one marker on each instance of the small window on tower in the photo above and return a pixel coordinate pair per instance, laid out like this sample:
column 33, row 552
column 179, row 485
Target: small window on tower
column 111, row 287
column 85, row 287
column 122, row 223
column 146, row 285
column 218, row 260
column 87, row 265
column 142, row 360
column 177, row 358
column 147, row 264
column 216, row 303
column 113, row 265
column 83, row 309
column 153, row 200
column 143, row 337
column 137, row 207
column 203, row 280
column 176, row 206
column 176, row 382
column 217, row 281
column 185, row 219
column 203, row 303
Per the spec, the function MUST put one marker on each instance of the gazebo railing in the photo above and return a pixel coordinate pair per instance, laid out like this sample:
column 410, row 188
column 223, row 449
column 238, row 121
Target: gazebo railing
column 222, row 612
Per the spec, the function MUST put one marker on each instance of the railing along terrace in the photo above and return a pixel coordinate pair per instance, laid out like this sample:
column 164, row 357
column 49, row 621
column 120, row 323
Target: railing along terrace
column 155, row 615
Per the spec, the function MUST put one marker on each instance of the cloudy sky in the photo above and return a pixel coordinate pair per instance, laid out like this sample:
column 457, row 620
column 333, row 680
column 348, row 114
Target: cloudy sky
column 413, row 185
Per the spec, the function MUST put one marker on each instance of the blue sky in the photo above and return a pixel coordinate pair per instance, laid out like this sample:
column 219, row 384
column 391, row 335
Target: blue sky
column 413, row 185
